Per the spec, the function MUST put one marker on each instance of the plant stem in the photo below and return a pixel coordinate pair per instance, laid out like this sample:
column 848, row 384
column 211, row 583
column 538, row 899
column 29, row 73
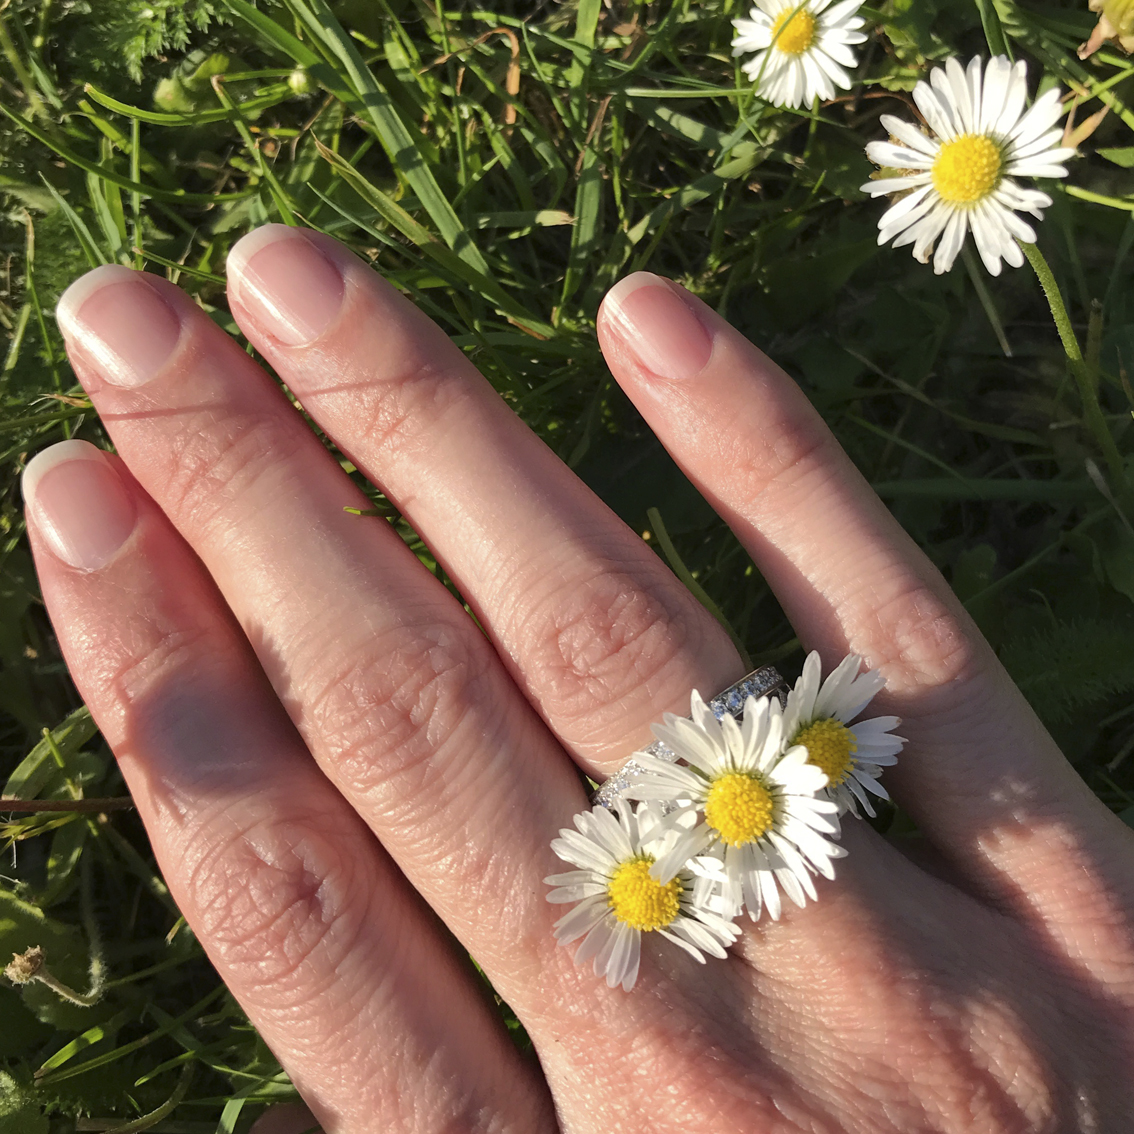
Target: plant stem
column 117, row 803
column 1092, row 411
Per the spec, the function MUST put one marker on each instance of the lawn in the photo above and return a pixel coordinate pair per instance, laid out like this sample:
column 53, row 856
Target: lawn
column 503, row 168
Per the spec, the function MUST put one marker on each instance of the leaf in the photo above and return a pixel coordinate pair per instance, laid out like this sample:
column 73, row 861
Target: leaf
column 38, row 769
column 1116, row 550
column 586, row 233
column 86, row 241
column 799, row 286
column 19, row 1113
column 23, row 925
column 1072, row 665
column 66, row 848
column 973, row 571
column 1120, row 155
column 277, row 93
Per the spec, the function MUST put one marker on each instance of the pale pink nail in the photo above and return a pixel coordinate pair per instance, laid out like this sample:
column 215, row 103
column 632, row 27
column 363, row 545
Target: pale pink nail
column 659, row 325
column 78, row 504
column 285, row 283
column 119, row 323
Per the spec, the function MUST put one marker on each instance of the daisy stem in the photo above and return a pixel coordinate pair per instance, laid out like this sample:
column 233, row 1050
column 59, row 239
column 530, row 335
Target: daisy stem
column 1081, row 372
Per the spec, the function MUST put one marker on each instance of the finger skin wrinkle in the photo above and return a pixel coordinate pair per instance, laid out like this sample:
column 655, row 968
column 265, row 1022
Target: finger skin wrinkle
column 405, row 414
column 393, row 726
column 278, row 901
column 795, row 454
column 385, row 709
column 905, row 629
column 601, row 636
column 597, row 637
column 215, row 464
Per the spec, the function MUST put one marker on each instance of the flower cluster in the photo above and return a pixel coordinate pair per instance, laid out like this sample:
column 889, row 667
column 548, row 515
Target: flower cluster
column 745, row 812
column 956, row 173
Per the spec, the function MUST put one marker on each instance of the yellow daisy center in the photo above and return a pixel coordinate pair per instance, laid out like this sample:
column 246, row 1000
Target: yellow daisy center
column 739, row 808
column 638, row 900
column 831, row 746
column 967, row 169
column 794, row 31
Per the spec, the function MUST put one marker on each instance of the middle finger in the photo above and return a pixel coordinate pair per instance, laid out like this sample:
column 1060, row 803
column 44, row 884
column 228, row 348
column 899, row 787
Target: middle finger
column 593, row 626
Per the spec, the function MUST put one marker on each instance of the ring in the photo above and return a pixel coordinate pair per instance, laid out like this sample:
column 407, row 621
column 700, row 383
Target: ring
column 759, row 683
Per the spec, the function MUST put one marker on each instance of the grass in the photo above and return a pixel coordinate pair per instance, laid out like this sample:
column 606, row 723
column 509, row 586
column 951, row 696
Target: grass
column 503, row 168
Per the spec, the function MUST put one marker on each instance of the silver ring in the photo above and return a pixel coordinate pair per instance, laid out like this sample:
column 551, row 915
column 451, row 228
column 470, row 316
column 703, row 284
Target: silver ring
column 759, row 683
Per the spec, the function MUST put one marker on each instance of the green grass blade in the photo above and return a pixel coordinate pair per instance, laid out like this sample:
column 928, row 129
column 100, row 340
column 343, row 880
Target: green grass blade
column 993, row 32
column 395, row 137
column 72, row 158
column 588, row 224
column 87, row 242
column 49, row 1072
column 278, row 37
column 395, row 215
column 278, row 93
column 36, row 768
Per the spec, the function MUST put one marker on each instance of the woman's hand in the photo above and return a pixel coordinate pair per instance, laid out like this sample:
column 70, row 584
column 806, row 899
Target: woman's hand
column 338, row 767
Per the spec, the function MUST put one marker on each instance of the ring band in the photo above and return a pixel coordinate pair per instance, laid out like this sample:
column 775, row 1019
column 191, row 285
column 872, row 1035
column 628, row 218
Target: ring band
column 759, row 683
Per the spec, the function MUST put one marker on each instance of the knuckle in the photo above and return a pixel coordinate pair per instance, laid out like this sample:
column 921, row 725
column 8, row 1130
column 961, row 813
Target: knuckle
column 403, row 410
column 599, row 640
column 207, row 467
column 919, row 638
column 158, row 652
column 272, row 900
column 784, row 453
column 394, row 704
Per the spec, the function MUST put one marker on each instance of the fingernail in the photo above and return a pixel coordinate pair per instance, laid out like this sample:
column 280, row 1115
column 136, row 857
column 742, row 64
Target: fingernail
column 659, row 325
column 285, row 283
column 120, row 323
column 78, row 503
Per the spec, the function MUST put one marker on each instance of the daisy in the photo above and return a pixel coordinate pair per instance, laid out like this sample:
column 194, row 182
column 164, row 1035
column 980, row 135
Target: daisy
column 801, row 48
column 618, row 897
column 819, row 720
column 761, row 813
column 961, row 176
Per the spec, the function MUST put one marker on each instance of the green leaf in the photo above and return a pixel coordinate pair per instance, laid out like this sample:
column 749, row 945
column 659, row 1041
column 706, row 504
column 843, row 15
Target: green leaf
column 588, row 220
column 1121, row 155
column 1072, row 665
column 38, row 769
column 973, row 571
column 277, row 93
column 91, row 250
column 1116, row 550
column 22, row 926
column 66, row 848
column 19, row 1113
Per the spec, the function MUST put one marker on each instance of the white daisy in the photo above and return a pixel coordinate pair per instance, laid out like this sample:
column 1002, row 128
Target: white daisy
column 619, row 899
column 761, row 812
column 801, row 48
column 819, row 719
column 961, row 176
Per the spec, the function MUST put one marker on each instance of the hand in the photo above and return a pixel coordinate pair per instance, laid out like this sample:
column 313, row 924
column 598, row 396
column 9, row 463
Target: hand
column 338, row 768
